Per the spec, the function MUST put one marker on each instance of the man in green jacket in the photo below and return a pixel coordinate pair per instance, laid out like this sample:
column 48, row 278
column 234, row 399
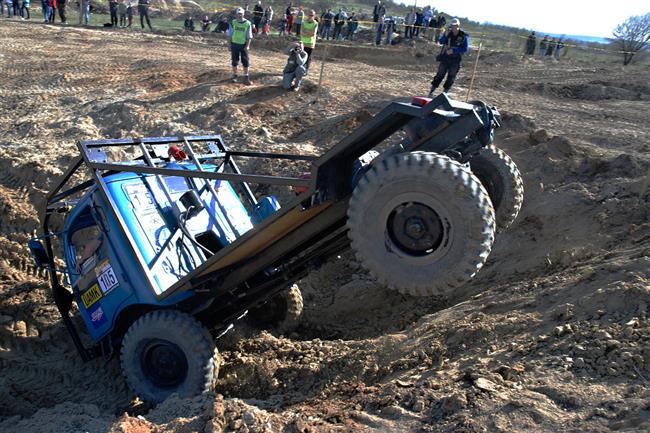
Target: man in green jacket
column 240, row 34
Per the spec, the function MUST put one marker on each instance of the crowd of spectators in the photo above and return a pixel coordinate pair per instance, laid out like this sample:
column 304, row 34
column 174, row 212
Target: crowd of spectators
column 548, row 47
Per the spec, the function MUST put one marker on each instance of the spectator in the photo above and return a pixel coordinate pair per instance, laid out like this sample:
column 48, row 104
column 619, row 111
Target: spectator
column 379, row 30
column 15, row 5
column 326, row 22
column 308, row 35
column 289, row 13
column 379, row 11
column 121, row 11
column 339, row 21
column 456, row 43
column 409, row 21
column 85, row 12
column 240, row 34
column 441, row 22
column 353, row 25
column 283, row 25
column 558, row 49
column 45, row 7
column 531, row 43
column 143, row 10
column 189, row 24
column 24, row 10
column 52, row 14
column 129, row 13
column 426, row 20
column 258, row 13
column 222, row 25
column 205, row 23
column 300, row 17
column 550, row 47
column 390, row 29
column 542, row 47
column 268, row 14
column 419, row 19
column 112, row 7
column 60, row 5
column 10, row 7
column 295, row 68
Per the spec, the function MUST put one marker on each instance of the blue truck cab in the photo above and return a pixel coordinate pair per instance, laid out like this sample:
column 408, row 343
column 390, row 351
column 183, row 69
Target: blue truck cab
column 120, row 270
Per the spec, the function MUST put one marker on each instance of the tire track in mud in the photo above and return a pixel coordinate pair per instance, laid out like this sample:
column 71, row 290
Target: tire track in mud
column 41, row 368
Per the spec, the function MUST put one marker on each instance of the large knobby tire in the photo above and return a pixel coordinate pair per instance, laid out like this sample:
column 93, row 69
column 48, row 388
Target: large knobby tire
column 166, row 352
column 421, row 223
column 281, row 313
column 502, row 180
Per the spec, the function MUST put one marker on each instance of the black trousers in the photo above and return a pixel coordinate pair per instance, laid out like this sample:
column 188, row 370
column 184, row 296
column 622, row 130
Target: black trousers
column 61, row 8
column 450, row 69
column 113, row 8
column 308, row 50
column 143, row 10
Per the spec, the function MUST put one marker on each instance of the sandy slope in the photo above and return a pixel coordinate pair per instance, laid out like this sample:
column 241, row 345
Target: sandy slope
column 551, row 336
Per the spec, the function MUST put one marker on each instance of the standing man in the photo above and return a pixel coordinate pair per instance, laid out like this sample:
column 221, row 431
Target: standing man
column 143, row 10
column 240, row 34
column 558, row 49
column 531, row 43
column 456, row 43
column 85, row 12
column 542, row 47
column 379, row 11
column 308, row 35
column 339, row 22
column 258, row 13
column 409, row 22
column 60, row 5
column 112, row 7
column 326, row 20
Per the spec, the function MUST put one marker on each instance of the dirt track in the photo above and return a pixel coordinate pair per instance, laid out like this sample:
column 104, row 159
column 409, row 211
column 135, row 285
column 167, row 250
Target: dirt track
column 552, row 335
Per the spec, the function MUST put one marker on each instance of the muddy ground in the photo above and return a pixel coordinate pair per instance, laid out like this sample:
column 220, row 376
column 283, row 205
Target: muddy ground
column 552, row 334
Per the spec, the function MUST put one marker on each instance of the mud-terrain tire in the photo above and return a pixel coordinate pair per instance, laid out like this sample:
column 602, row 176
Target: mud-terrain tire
column 421, row 223
column 165, row 352
column 279, row 314
column 499, row 175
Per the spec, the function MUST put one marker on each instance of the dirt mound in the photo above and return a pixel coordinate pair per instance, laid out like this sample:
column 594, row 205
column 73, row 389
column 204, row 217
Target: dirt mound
column 596, row 91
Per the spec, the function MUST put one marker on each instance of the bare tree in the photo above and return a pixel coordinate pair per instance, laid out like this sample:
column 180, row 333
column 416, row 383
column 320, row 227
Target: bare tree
column 632, row 36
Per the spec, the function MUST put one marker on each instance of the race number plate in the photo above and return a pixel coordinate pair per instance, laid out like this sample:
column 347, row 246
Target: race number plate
column 106, row 277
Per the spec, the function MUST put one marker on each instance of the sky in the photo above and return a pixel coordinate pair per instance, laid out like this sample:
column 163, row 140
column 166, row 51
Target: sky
column 571, row 17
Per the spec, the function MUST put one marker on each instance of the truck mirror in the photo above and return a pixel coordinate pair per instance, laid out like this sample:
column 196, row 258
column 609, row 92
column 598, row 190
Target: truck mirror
column 38, row 253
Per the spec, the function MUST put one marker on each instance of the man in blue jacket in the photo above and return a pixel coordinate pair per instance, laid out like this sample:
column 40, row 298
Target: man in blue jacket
column 456, row 43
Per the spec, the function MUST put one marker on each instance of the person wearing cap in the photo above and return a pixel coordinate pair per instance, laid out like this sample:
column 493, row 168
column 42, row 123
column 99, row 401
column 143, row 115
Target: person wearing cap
column 240, row 34
column 308, row 33
column 455, row 44
column 295, row 67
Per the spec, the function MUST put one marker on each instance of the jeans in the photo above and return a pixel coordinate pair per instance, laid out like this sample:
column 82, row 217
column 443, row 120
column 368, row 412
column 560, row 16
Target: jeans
column 113, row 10
column 449, row 68
column 24, row 11
column 86, row 13
column 288, row 77
column 327, row 32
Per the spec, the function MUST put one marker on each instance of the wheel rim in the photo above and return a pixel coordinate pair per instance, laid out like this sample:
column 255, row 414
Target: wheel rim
column 415, row 228
column 164, row 363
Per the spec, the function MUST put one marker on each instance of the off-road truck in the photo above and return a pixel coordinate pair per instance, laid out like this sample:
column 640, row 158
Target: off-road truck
column 164, row 242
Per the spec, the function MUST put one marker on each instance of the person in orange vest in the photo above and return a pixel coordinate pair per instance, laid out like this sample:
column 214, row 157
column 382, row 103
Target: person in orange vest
column 308, row 32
